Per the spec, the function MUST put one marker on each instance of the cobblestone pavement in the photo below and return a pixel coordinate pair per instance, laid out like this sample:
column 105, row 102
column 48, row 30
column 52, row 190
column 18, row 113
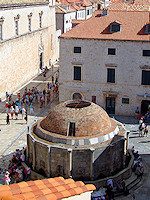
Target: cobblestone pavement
column 141, row 144
column 13, row 136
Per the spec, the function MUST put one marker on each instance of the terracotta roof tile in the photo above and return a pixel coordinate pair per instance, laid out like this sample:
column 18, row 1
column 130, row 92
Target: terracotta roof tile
column 20, row 196
column 26, row 189
column 41, row 198
column 78, row 190
column 84, row 188
column 68, row 181
column 41, row 186
column 38, row 182
column 60, row 188
column 54, row 190
column 79, row 183
column 5, row 192
column 34, row 188
column 7, row 197
column 98, row 27
column 59, row 195
column 72, row 185
column 4, row 187
column 38, row 192
column 67, row 187
column 58, row 178
column 28, row 195
column 49, row 185
column 14, row 186
column 23, row 184
column 90, row 187
column 45, row 181
column 46, row 189
column 16, row 191
column 51, row 197
column 30, row 183
column 66, row 193
column 72, row 192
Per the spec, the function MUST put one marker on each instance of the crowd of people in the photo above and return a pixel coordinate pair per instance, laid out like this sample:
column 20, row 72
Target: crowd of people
column 26, row 102
column 16, row 172
column 137, row 165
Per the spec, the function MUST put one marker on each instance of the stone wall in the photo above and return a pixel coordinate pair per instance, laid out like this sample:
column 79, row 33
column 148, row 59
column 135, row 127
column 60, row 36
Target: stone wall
column 94, row 61
column 20, row 54
column 81, row 164
column 6, row 2
column 42, row 159
column 59, row 162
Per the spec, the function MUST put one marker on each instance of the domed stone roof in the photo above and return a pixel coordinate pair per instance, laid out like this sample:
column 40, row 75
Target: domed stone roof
column 86, row 118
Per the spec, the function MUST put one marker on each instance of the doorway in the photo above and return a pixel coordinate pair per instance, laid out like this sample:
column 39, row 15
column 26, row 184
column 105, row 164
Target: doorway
column 145, row 104
column 110, row 105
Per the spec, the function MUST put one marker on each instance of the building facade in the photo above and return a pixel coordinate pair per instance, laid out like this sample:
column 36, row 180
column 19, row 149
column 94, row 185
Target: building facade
column 27, row 41
column 108, row 64
column 64, row 17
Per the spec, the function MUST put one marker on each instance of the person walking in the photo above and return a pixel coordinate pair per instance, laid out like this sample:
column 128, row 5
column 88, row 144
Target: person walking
column 145, row 130
column 16, row 112
column 31, row 109
column 12, row 112
column 7, row 179
column 23, row 112
column 7, row 119
column 26, row 118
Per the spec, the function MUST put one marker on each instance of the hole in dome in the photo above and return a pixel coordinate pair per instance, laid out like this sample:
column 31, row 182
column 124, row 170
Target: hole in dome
column 80, row 104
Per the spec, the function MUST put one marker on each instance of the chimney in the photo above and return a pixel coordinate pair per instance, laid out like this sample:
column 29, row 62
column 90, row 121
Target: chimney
column 105, row 12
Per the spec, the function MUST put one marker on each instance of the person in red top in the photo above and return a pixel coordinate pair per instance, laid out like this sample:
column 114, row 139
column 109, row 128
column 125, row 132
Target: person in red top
column 7, row 104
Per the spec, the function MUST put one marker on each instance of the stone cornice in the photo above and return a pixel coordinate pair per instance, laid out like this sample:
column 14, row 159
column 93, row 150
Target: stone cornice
column 8, row 6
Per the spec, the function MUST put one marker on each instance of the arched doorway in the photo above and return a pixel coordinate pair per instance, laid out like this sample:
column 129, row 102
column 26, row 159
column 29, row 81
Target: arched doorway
column 77, row 96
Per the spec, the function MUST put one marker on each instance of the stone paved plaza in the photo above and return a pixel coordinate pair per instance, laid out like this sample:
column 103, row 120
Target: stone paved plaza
column 14, row 136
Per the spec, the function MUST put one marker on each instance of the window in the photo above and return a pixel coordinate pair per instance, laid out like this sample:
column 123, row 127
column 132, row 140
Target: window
column 125, row 100
column 147, row 28
column 111, row 51
column 146, row 52
column 115, row 27
column 77, row 49
column 40, row 21
column 72, row 129
column 110, row 75
column 1, row 32
column 16, row 18
column 145, row 77
column 29, row 24
column 77, row 73
column 88, row 12
column 16, row 27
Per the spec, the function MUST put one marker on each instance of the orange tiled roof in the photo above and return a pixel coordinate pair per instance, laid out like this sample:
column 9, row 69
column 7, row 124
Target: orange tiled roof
column 123, row 6
column 98, row 27
column 46, row 189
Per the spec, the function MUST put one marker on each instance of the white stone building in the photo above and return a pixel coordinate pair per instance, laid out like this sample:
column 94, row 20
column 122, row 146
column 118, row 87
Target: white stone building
column 64, row 17
column 27, row 40
column 107, row 60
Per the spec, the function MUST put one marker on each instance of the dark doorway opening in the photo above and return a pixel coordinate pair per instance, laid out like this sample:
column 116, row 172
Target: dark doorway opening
column 145, row 106
column 110, row 105
column 94, row 99
column 41, row 60
column 72, row 129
